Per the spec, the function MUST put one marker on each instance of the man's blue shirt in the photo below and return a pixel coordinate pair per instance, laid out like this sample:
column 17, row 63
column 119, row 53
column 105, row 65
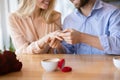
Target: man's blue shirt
column 103, row 21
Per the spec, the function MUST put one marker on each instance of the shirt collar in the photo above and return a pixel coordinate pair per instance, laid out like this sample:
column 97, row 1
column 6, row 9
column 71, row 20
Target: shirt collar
column 98, row 5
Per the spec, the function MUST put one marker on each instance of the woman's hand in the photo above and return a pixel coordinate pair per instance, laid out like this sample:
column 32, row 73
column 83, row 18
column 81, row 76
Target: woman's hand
column 55, row 43
column 54, row 40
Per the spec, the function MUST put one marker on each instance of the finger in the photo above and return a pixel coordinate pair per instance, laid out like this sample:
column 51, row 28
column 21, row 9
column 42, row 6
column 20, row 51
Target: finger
column 47, row 39
column 57, row 32
column 67, row 30
column 67, row 38
column 54, row 45
column 58, row 44
column 59, row 38
column 65, row 34
column 52, row 42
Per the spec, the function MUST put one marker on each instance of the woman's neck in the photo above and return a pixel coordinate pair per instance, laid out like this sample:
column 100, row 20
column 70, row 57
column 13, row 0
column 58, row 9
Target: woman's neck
column 36, row 13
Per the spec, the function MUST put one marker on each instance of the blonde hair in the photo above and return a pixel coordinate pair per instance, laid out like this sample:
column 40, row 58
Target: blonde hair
column 26, row 8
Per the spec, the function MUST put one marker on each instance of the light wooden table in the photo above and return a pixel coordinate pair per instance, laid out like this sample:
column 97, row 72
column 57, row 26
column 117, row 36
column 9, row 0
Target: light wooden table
column 85, row 67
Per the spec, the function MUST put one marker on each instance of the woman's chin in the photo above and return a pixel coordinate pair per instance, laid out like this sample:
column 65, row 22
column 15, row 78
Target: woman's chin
column 45, row 7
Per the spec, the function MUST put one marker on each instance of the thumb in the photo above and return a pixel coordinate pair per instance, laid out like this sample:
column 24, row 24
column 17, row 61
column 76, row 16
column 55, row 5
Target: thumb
column 67, row 30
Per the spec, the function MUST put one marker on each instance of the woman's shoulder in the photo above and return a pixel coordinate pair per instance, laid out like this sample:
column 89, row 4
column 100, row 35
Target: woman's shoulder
column 15, row 16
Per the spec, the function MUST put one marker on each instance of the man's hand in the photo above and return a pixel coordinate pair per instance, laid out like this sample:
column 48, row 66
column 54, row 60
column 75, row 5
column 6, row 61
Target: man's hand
column 71, row 36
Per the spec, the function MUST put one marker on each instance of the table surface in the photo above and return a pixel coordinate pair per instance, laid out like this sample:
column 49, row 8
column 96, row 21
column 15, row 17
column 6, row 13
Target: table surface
column 84, row 67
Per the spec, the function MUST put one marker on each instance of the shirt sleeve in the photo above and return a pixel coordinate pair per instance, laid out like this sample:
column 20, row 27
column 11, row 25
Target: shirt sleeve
column 69, row 49
column 111, row 42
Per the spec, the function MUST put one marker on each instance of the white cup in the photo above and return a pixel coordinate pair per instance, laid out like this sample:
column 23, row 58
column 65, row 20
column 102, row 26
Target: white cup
column 116, row 62
column 50, row 64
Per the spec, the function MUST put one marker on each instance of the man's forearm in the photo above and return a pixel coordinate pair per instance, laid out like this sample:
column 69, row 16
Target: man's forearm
column 90, row 40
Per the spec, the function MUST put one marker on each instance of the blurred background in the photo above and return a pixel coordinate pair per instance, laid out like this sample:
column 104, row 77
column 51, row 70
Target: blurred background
column 8, row 6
